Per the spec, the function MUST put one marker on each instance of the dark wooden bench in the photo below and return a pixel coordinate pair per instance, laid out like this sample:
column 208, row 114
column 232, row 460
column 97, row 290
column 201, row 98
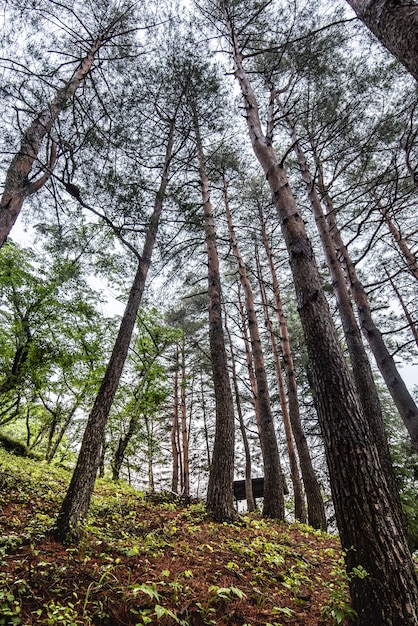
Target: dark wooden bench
column 239, row 488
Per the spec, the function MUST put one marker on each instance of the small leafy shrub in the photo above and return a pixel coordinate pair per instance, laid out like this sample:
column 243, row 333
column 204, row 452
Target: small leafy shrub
column 9, row 542
column 338, row 608
column 13, row 445
column 9, row 608
column 60, row 614
column 225, row 593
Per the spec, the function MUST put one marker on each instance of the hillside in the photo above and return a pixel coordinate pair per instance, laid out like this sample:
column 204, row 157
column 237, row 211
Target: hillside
column 152, row 560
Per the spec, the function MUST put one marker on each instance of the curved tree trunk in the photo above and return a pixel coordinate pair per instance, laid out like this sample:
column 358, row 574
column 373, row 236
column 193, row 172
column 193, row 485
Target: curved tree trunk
column 316, row 508
column 273, row 505
column 395, row 24
column 220, row 496
column 18, row 186
column 77, row 499
column 371, row 532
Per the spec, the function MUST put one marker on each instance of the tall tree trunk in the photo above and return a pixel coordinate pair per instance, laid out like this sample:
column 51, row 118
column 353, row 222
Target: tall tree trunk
column 395, row 24
column 273, row 505
column 249, row 495
column 53, row 444
column 18, row 185
column 403, row 400
column 52, row 427
column 185, row 483
column 361, row 369
column 205, row 421
column 175, row 448
column 249, row 360
column 123, row 443
column 105, row 445
column 119, row 455
column 24, row 340
column 77, row 499
column 371, row 533
column 300, row 507
column 150, row 453
column 220, row 496
column 316, row 508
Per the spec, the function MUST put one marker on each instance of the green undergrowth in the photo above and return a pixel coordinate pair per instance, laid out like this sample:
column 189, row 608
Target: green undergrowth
column 156, row 560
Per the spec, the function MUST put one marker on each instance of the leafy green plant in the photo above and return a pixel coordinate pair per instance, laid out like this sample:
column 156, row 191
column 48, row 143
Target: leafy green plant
column 206, row 613
column 338, row 610
column 9, row 542
column 13, row 445
column 259, row 597
column 293, row 580
column 144, row 614
column 160, row 612
column 9, row 608
column 226, row 593
column 150, row 589
column 122, row 543
column 40, row 524
column 338, row 607
column 282, row 610
column 195, row 512
column 96, row 587
column 60, row 614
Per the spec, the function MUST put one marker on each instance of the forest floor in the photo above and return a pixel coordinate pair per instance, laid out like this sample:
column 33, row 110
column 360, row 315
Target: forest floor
column 155, row 560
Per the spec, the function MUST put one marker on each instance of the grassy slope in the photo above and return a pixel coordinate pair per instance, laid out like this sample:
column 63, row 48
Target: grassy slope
column 154, row 561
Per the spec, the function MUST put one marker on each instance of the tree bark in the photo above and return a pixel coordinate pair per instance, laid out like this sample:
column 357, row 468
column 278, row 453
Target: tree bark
column 24, row 341
column 175, row 448
column 77, row 499
column 205, row 421
column 18, row 186
column 150, row 452
column 316, row 508
column 395, row 24
column 360, row 365
column 220, row 496
column 273, row 504
column 249, row 495
column 249, row 359
column 185, row 483
column 403, row 400
column 123, row 443
column 53, row 444
column 370, row 532
column 300, row 507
